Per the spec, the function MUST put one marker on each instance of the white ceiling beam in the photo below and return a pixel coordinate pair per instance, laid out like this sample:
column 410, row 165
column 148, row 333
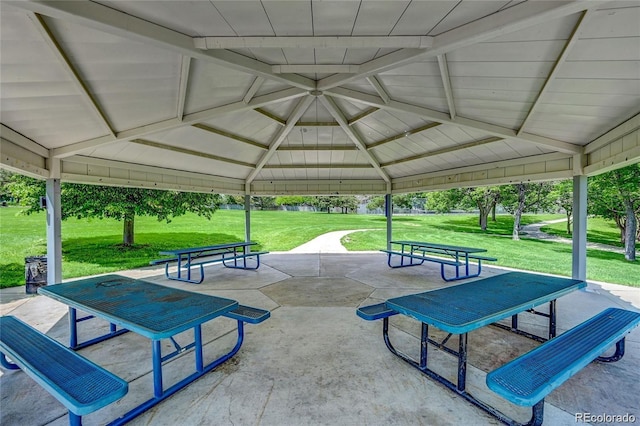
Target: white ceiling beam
column 300, row 109
column 142, row 131
column 319, row 42
column 364, row 114
column 333, row 109
column 315, row 68
column 112, row 21
column 629, row 126
column 273, row 117
column 443, row 151
column 184, row 83
column 506, row 21
column 446, row 83
column 73, row 74
column 573, row 39
column 229, row 135
column 190, row 152
column 255, row 86
column 402, row 135
column 377, row 85
column 12, row 136
column 433, row 115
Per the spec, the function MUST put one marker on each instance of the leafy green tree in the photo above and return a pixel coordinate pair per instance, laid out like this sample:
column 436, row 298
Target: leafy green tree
column 524, row 197
column 124, row 204
column 263, row 203
column 290, row 200
column 482, row 198
column 561, row 196
column 616, row 195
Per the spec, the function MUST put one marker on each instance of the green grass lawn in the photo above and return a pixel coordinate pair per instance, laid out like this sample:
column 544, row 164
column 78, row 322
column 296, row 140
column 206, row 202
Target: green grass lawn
column 93, row 246
column 599, row 231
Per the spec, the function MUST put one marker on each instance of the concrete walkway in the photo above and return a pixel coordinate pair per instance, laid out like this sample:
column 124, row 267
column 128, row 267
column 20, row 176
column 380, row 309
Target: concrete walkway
column 533, row 231
column 326, row 243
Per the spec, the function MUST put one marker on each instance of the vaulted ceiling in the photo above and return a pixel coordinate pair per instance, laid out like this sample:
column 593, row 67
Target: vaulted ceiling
column 318, row 97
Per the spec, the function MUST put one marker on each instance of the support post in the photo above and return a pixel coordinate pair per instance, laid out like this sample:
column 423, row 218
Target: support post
column 247, row 219
column 388, row 211
column 54, row 232
column 579, row 250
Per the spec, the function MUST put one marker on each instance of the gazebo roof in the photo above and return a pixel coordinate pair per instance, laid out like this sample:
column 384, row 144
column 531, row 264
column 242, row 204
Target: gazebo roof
column 318, row 97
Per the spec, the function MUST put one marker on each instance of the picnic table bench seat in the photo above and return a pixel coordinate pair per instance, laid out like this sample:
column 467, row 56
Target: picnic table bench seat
column 375, row 312
column 527, row 379
column 79, row 384
column 248, row 314
column 423, row 257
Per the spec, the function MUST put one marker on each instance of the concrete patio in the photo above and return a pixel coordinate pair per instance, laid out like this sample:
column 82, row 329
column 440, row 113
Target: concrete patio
column 314, row 362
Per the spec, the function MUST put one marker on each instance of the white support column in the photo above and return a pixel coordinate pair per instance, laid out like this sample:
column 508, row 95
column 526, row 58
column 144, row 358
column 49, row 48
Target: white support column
column 579, row 265
column 388, row 211
column 247, row 218
column 54, row 232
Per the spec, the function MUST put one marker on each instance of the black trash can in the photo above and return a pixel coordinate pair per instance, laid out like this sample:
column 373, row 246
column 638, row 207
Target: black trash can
column 35, row 273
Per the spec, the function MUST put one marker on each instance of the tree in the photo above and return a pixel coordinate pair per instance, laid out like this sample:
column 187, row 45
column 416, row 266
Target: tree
column 524, row 197
column 561, row 196
column 482, row 198
column 616, row 195
column 263, row 203
column 124, row 204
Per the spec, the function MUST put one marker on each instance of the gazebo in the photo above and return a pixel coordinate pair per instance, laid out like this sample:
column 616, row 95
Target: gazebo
column 318, row 97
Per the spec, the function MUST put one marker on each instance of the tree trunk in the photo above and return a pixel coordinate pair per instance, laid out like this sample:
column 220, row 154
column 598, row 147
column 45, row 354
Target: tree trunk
column 569, row 223
column 517, row 215
column 493, row 212
column 630, row 232
column 127, row 234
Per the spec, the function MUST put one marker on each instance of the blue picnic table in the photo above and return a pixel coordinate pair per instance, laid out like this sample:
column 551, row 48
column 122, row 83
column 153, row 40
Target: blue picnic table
column 232, row 255
column 413, row 253
column 462, row 308
column 153, row 311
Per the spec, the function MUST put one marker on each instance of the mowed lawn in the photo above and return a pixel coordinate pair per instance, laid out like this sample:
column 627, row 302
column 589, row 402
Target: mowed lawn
column 94, row 246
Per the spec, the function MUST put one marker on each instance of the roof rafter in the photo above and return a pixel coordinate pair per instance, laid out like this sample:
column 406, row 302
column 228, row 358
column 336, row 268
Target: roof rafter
column 229, row 135
column 255, row 86
column 106, row 19
column 438, row 116
column 506, row 21
column 446, row 83
column 172, row 123
column 443, row 151
column 573, row 38
column 402, row 135
column 300, row 109
column 312, row 42
column 333, row 109
column 182, row 88
column 191, row 152
column 68, row 67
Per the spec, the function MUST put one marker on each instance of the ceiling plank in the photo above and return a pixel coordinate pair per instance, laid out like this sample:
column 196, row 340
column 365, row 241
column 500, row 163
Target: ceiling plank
column 73, row 74
column 274, row 117
column 333, row 109
column 319, row 166
column 300, row 109
column 112, row 21
column 318, row 148
column 505, row 21
column 172, row 123
column 440, row 117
